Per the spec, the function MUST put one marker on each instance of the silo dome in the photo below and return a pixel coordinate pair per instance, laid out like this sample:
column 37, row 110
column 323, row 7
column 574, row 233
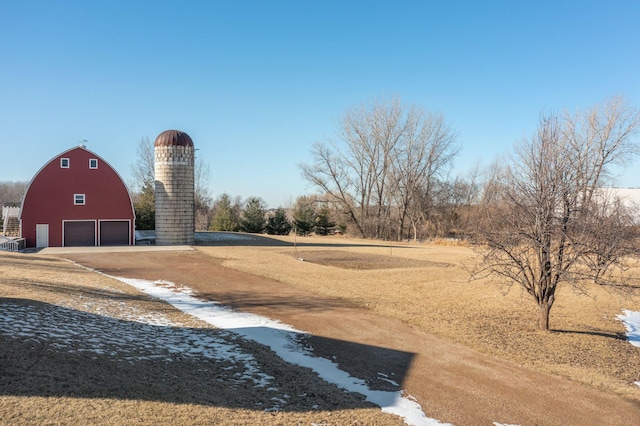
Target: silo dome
column 173, row 138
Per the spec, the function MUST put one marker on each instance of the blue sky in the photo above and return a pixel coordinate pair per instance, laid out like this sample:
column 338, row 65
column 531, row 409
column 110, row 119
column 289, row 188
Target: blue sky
column 256, row 83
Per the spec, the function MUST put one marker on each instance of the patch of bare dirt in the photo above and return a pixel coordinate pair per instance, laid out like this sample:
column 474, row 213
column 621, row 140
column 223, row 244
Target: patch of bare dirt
column 363, row 261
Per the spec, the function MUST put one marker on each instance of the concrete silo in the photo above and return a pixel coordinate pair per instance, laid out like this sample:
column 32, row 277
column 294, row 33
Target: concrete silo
column 174, row 160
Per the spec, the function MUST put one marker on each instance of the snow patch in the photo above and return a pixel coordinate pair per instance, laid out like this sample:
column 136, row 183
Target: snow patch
column 631, row 321
column 203, row 237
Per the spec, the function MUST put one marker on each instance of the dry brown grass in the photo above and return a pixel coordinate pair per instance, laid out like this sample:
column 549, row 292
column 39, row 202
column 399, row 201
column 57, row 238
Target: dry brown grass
column 101, row 411
column 40, row 385
column 429, row 286
column 424, row 285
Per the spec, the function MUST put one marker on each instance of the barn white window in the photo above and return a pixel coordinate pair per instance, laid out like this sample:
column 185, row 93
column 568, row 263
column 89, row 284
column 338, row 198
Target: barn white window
column 78, row 199
column 93, row 163
column 64, row 163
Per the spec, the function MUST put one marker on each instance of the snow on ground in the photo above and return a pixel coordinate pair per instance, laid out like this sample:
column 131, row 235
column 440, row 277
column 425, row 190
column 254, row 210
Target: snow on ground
column 283, row 340
column 203, row 237
column 631, row 321
column 121, row 310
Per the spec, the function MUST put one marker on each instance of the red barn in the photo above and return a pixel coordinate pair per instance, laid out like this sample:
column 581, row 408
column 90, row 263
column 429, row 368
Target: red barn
column 77, row 199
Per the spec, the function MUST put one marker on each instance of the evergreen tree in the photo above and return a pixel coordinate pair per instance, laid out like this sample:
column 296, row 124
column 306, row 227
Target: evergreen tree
column 144, row 203
column 226, row 216
column 253, row 220
column 324, row 224
column 278, row 224
column 304, row 216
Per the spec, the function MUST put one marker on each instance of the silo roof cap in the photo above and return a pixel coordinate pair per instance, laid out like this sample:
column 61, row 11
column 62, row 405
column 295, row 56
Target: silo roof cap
column 173, row 138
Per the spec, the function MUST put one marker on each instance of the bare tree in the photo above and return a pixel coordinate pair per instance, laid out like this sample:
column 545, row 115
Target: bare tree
column 143, row 171
column 143, row 185
column 549, row 223
column 331, row 174
column 370, row 134
column 424, row 155
column 386, row 152
column 12, row 192
column 453, row 203
column 202, row 199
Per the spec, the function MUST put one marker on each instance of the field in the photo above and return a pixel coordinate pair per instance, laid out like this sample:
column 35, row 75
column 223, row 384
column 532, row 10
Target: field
column 476, row 354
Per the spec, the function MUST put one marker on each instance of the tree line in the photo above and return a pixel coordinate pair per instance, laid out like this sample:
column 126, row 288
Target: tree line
column 305, row 217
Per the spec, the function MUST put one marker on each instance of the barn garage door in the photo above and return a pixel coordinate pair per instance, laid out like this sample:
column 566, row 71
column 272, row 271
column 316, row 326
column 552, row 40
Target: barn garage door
column 80, row 233
column 114, row 233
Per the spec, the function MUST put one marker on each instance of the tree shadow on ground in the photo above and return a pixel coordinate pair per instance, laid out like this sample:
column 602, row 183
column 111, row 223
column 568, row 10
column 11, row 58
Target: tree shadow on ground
column 48, row 350
column 615, row 336
column 71, row 290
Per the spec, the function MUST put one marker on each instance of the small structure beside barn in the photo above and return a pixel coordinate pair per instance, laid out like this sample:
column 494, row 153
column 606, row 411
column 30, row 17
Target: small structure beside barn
column 10, row 221
column 77, row 199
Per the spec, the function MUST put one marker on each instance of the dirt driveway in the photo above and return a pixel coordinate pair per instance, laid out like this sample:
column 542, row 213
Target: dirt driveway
column 452, row 383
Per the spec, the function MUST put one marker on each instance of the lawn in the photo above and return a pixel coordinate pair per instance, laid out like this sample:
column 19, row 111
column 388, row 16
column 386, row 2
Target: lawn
column 429, row 285
column 426, row 285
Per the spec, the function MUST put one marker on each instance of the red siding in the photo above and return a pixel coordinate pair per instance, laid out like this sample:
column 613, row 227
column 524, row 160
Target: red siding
column 50, row 196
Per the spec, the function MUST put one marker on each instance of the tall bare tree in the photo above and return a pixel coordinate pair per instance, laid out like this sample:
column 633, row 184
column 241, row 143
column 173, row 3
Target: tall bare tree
column 202, row 199
column 143, row 171
column 331, row 173
column 424, row 155
column 386, row 151
column 550, row 223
